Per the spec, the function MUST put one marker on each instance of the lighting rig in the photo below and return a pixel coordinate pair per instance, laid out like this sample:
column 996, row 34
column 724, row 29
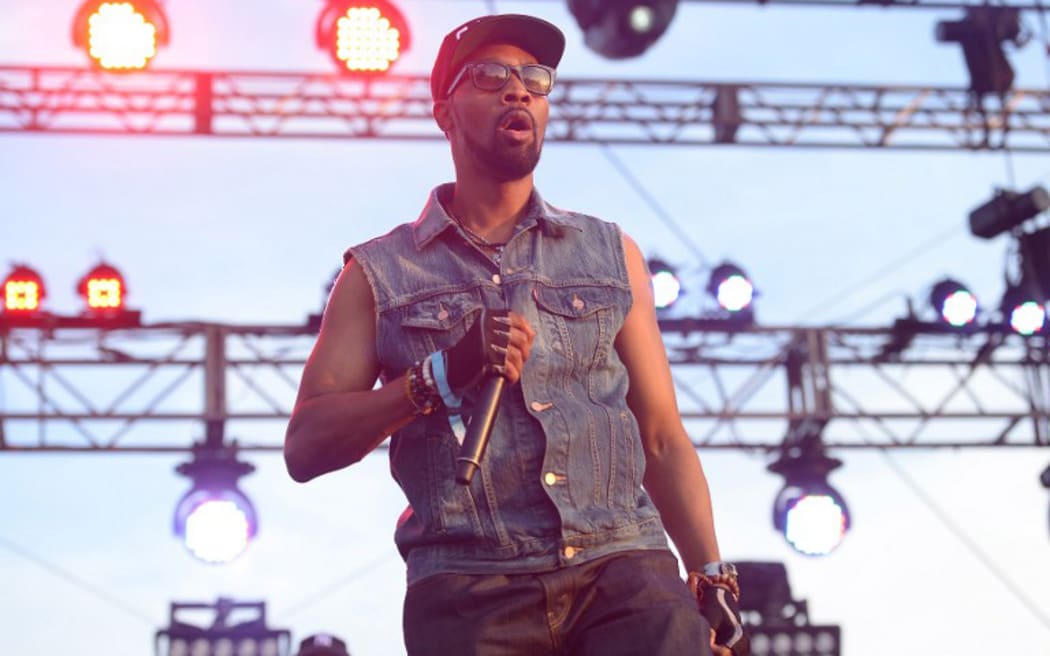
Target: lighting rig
column 102, row 290
column 215, row 520
column 730, row 293
column 777, row 623
column 224, row 627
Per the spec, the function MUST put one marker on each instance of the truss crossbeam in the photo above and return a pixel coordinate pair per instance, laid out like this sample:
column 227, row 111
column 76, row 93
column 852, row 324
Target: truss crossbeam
column 51, row 100
column 158, row 388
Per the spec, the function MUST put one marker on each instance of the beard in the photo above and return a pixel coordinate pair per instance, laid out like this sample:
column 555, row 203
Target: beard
column 505, row 162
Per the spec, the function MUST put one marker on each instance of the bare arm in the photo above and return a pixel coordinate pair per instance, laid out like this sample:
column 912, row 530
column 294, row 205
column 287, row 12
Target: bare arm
column 338, row 417
column 674, row 477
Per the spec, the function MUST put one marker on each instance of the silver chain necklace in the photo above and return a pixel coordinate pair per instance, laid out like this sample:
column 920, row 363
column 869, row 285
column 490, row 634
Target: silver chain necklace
column 481, row 242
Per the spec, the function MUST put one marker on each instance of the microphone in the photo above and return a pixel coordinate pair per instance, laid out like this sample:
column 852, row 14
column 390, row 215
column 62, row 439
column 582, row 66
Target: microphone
column 481, row 423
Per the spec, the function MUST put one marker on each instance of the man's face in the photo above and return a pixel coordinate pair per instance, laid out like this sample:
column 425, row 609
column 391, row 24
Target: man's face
column 500, row 131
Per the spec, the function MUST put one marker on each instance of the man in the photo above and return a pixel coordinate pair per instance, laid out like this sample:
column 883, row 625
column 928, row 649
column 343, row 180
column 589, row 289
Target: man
column 554, row 547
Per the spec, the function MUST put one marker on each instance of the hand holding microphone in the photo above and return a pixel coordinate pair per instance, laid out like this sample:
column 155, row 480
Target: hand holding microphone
column 493, row 352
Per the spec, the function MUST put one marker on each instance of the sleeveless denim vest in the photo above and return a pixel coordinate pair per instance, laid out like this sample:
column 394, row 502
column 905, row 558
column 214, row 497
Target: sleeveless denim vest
column 560, row 482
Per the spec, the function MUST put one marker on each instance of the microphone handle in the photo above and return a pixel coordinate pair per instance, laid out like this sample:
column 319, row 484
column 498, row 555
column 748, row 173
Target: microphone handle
column 481, row 423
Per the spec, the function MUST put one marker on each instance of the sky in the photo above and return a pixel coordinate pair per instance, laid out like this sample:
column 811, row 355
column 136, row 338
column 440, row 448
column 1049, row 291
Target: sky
column 248, row 231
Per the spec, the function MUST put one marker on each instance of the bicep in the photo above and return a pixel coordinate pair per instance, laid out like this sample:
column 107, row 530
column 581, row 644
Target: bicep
column 344, row 358
column 641, row 348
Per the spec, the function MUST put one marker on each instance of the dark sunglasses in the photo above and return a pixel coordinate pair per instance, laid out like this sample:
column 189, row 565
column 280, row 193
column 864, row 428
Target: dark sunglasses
column 493, row 76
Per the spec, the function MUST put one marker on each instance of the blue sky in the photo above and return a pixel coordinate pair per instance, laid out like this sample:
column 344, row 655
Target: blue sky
column 249, row 230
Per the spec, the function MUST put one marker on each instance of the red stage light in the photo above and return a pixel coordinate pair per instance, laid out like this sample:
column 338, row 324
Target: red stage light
column 103, row 289
column 362, row 37
column 120, row 35
column 23, row 291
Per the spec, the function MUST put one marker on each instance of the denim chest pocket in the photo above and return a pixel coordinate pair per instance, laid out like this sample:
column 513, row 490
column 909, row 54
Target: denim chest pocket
column 438, row 322
column 581, row 322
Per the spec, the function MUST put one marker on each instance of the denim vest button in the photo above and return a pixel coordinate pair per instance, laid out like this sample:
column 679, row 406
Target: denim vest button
column 550, row 478
column 495, row 278
column 540, row 407
column 569, row 552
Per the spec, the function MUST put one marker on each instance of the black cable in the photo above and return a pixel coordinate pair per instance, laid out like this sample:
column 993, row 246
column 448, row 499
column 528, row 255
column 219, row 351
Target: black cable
column 655, row 206
column 308, row 601
column 877, row 276
column 69, row 578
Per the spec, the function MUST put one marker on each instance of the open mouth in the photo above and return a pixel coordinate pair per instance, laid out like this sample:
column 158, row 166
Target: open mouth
column 516, row 121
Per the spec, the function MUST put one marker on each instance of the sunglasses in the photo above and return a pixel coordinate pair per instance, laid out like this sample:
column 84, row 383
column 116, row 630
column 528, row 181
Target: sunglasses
column 493, row 76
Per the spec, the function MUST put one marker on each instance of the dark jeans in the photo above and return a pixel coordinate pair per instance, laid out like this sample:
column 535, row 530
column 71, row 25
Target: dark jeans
column 628, row 604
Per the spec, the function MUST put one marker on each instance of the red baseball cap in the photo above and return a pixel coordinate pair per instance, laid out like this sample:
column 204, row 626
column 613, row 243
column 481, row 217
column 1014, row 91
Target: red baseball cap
column 541, row 39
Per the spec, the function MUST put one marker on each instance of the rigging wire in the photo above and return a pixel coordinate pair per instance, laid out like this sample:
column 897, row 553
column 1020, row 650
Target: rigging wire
column 970, row 544
column 653, row 204
column 845, row 291
column 75, row 581
column 334, row 586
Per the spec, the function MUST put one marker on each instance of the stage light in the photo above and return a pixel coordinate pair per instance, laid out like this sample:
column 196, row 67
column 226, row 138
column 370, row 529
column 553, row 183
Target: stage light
column 362, row 37
column 731, row 287
column 23, row 291
column 1034, row 249
column 224, row 628
column 981, row 34
column 102, row 289
column 619, row 29
column 215, row 520
column 1022, row 311
column 666, row 286
column 120, row 36
column 810, row 513
column 1007, row 210
column 954, row 303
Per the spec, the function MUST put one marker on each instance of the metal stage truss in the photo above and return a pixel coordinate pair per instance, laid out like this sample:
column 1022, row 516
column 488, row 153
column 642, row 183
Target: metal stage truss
column 54, row 100
column 159, row 387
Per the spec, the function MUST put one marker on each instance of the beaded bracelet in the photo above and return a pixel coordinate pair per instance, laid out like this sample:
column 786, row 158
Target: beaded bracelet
column 697, row 581
column 420, row 388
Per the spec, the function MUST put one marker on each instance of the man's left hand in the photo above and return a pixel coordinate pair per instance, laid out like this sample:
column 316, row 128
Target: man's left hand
column 719, row 606
column 717, row 649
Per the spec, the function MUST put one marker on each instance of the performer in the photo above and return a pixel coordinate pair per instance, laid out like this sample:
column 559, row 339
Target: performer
column 554, row 547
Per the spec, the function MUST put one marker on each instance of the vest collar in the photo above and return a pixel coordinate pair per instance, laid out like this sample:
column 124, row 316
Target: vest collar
column 434, row 219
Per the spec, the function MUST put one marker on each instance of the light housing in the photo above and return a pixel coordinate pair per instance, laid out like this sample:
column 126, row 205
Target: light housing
column 120, row 35
column 808, row 511
column 1034, row 248
column 1007, row 210
column 215, row 520
column 731, row 287
column 618, row 29
column 981, row 33
column 24, row 291
column 954, row 303
column 665, row 283
column 364, row 38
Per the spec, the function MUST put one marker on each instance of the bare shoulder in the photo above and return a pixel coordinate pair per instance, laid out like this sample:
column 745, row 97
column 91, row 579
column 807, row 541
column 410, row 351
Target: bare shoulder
column 637, row 271
column 344, row 358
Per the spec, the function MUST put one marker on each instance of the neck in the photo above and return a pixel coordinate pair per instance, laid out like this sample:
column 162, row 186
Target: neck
column 490, row 208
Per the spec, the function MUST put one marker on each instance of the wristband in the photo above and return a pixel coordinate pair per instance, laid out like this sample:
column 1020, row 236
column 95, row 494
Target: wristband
column 437, row 364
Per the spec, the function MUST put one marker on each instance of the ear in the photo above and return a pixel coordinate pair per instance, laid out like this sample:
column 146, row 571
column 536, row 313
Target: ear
column 443, row 115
